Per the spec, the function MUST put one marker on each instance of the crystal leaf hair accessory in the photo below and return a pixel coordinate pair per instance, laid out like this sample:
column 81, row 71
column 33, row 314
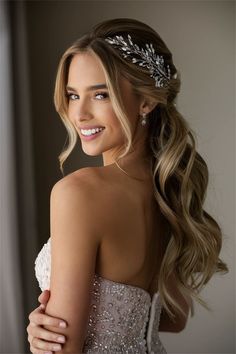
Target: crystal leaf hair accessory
column 149, row 59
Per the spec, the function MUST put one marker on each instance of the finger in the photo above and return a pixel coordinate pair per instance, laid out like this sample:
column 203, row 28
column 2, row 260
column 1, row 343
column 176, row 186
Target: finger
column 33, row 351
column 36, row 310
column 30, row 338
column 38, row 351
column 30, row 327
column 37, row 343
column 44, row 296
column 39, row 318
column 44, row 334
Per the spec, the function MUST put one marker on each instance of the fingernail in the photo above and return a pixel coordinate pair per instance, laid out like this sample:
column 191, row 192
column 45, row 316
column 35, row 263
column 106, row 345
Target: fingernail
column 61, row 339
column 56, row 347
column 62, row 324
column 47, row 352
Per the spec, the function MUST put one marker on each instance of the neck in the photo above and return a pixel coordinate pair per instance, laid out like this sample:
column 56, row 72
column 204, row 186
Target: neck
column 136, row 164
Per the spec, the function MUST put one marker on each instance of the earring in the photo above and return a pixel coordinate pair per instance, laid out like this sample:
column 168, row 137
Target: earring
column 144, row 119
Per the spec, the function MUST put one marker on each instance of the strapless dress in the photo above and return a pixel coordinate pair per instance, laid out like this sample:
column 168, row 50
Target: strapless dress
column 123, row 318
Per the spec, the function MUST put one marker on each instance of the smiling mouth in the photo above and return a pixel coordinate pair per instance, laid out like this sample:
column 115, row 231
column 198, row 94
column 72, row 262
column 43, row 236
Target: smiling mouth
column 90, row 132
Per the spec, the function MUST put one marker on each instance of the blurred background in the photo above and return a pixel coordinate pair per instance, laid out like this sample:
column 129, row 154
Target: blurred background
column 33, row 36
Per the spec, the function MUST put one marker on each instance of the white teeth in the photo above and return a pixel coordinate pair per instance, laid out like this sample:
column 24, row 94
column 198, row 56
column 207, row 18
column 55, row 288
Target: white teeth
column 88, row 132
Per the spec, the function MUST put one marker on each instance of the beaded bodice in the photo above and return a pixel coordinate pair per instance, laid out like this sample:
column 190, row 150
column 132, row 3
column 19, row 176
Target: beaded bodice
column 123, row 318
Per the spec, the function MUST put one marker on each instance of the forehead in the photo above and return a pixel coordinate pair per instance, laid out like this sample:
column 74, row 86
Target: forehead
column 86, row 70
column 85, row 67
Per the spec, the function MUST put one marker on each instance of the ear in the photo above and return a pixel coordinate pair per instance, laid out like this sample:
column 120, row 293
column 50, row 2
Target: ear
column 146, row 106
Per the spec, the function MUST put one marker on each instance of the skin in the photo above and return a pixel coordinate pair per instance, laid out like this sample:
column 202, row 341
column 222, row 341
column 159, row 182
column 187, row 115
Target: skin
column 93, row 107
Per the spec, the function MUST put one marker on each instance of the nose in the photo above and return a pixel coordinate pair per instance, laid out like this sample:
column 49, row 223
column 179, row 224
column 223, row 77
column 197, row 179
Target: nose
column 80, row 111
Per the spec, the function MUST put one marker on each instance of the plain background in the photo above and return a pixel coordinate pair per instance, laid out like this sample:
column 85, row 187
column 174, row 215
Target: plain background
column 201, row 36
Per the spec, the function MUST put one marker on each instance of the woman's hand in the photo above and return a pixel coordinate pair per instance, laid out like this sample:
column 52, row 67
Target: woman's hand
column 41, row 340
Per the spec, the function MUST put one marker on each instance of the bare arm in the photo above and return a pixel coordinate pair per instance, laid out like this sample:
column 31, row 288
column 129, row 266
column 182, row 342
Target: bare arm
column 74, row 245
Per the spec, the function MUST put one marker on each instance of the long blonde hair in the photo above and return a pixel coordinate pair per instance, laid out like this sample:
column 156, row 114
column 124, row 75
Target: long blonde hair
column 180, row 175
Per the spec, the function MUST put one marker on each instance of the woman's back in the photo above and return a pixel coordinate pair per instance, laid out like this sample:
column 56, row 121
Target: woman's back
column 131, row 225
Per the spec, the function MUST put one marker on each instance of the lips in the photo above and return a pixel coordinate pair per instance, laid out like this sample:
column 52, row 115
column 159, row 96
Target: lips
column 88, row 132
column 91, row 134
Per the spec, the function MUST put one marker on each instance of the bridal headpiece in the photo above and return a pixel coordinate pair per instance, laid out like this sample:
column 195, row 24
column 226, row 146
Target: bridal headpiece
column 146, row 58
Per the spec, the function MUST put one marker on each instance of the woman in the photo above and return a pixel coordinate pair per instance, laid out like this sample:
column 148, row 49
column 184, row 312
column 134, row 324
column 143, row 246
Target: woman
column 131, row 245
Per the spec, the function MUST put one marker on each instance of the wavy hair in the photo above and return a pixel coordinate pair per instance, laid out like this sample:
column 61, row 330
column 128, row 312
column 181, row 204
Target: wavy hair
column 180, row 175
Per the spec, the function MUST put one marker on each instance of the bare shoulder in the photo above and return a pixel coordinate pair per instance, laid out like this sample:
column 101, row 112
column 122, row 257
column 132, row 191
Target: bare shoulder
column 84, row 186
column 79, row 180
column 73, row 204
column 85, row 182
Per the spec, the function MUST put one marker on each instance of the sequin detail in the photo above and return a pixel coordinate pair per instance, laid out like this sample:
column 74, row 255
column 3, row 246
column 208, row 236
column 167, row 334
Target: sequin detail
column 123, row 318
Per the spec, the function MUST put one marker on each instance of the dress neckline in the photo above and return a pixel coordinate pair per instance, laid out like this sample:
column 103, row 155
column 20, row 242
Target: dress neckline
column 145, row 292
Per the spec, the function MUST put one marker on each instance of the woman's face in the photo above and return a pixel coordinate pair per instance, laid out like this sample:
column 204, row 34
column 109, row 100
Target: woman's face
column 90, row 107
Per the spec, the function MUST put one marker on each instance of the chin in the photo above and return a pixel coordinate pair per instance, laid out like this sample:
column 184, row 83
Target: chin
column 92, row 152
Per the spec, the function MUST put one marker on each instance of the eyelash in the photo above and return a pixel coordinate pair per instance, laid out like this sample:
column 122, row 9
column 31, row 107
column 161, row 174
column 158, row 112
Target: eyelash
column 96, row 94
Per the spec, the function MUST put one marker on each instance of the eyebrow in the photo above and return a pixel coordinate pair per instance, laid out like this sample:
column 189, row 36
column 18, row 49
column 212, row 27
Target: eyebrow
column 89, row 88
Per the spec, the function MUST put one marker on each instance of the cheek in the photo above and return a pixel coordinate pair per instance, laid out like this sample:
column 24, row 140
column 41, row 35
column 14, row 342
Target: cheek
column 72, row 115
column 108, row 116
column 114, row 122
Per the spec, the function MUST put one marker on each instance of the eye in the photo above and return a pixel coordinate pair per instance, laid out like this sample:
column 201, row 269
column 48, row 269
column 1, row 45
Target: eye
column 103, row 94
column 71, row 96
